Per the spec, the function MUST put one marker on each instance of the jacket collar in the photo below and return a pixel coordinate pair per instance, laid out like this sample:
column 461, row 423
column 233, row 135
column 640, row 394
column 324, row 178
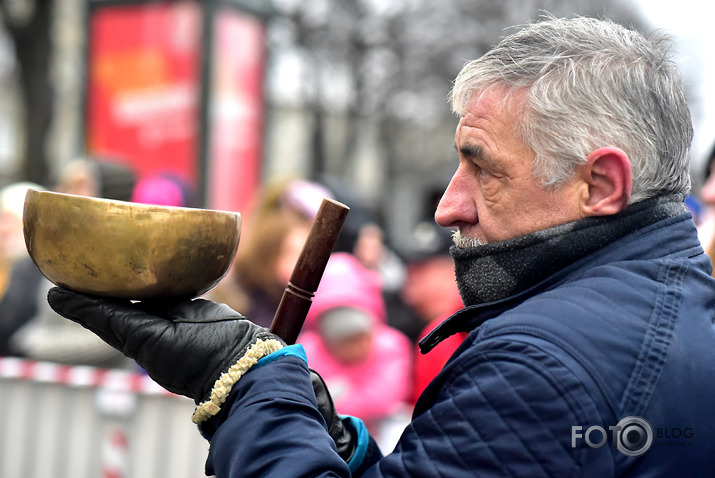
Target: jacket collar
column 548, row 258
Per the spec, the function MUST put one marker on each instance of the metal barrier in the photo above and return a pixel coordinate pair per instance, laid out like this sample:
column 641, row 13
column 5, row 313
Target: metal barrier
column 62, row 421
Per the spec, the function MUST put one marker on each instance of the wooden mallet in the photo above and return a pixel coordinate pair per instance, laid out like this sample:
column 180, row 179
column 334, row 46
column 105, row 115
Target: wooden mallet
column 298, row 295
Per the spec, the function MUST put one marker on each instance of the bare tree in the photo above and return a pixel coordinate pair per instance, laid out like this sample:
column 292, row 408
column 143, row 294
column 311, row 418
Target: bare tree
column 399, row 58
column 29, row 25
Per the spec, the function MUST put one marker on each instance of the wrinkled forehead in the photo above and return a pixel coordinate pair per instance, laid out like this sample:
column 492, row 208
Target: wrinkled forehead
column 496, row 95
column 491, row 107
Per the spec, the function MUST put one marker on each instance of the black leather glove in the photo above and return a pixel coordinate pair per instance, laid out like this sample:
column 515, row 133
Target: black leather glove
column 195, row 348
column 341, row 432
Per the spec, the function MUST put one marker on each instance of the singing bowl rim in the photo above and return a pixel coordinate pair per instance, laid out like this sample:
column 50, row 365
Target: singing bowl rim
column 64, row 236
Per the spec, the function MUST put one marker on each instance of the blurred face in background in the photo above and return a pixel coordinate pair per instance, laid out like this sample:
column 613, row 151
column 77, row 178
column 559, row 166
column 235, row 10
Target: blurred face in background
column 707, row 193
column 290, row 250
column 347, row 332
column 370, row 247
column 430, row 287
column 79, row 178
column 352, row 350
column 11, row 237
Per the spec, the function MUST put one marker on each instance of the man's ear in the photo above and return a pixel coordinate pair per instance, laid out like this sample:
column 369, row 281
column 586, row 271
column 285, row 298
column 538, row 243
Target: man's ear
column 607, row 174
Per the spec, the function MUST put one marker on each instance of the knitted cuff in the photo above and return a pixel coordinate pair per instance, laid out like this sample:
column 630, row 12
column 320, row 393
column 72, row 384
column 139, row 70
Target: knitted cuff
column 228, row 379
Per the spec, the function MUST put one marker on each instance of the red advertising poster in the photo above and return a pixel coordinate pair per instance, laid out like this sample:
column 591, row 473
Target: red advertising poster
column 143, row 87
column 236, row 110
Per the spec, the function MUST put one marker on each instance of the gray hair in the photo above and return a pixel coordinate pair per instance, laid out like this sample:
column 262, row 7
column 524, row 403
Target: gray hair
column 591, row 83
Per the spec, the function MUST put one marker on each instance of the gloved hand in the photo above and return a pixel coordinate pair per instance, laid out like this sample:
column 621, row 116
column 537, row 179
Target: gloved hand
column 195, row 348
column 345, row 438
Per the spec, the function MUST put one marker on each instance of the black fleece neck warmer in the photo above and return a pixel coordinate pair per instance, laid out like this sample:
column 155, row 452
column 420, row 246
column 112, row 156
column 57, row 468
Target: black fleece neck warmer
column 497, row 270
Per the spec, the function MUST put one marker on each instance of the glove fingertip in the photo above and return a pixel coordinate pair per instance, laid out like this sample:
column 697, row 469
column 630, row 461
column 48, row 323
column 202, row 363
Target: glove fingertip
column 56, row 296
column 64, row 301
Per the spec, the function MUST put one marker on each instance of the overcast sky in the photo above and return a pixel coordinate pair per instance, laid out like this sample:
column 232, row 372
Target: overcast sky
column 691, row 22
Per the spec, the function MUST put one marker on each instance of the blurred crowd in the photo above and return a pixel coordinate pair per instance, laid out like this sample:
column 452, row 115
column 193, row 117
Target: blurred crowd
column 374, row 303
column 702, row 206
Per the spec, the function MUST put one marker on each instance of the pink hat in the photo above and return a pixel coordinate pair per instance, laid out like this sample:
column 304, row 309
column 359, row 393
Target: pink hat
column 305, row 197
column 347, row 283
column 158, row 190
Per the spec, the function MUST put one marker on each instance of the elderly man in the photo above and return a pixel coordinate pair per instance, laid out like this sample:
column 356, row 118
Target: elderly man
column 589, row 301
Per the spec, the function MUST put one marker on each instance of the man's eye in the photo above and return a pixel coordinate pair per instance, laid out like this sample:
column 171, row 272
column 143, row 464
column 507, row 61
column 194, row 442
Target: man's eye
column 481, row 172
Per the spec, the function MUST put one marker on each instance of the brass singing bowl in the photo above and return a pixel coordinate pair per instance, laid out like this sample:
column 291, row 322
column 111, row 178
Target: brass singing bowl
column 128, row 250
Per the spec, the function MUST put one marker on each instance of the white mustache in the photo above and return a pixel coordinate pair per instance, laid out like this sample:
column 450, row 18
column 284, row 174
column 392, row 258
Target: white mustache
column 465, row 242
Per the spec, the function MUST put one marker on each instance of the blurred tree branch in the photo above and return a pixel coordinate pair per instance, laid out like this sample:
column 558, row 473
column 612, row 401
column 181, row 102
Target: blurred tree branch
column 398, row 60
column 29, row 25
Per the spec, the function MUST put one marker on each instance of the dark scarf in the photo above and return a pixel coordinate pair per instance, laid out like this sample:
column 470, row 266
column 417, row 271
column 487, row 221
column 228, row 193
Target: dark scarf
column 498, row 270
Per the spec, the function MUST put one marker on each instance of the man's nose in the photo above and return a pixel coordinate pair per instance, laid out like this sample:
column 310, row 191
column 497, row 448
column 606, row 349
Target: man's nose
column 457, row 207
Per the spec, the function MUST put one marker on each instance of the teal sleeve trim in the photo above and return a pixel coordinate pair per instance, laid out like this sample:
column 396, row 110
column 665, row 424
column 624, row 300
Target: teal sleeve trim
column 363, row 439
column 296, row 350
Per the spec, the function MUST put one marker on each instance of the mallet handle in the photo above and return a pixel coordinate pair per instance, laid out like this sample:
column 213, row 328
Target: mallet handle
column 308, row 270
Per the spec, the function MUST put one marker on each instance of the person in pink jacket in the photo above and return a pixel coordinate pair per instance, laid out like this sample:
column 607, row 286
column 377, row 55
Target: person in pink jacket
column 366, row 364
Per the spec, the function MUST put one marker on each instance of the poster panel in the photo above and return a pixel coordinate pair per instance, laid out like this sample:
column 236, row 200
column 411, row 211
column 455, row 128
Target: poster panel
column 143, row 88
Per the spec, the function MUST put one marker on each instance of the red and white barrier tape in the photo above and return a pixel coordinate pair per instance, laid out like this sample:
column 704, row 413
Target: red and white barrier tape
column 115, row 450
column 79, row 376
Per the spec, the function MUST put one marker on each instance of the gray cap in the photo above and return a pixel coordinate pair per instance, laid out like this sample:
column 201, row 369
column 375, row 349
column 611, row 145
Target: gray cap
column 342, row 322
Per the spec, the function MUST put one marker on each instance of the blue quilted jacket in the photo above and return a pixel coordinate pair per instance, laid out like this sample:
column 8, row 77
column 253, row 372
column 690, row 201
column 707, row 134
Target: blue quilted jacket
column 607, row 368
